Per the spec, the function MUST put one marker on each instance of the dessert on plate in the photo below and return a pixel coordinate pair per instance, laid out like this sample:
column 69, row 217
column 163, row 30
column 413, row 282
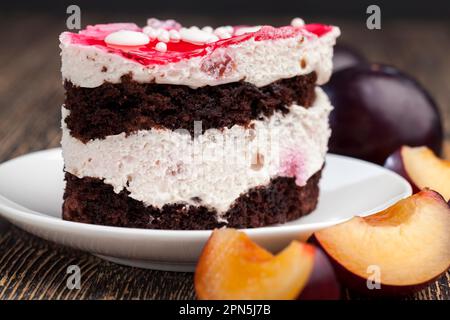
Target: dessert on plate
column 168, row 127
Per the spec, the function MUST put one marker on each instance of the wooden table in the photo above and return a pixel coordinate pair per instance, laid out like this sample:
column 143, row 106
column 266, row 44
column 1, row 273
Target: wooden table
column 30, row 99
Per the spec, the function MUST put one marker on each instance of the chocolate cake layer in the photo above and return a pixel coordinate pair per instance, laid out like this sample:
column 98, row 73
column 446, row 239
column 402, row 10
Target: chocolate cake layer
column 89, row 200
column 130, row 106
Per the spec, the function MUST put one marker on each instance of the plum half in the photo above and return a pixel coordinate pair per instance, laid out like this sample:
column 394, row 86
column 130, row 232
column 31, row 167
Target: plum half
column 232, row 266
column 422, row 168
column 377, row 109
column 394, row 252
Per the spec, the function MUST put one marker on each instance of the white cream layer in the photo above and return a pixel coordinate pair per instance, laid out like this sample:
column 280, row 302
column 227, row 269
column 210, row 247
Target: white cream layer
column 160, row 166
column 256, row 62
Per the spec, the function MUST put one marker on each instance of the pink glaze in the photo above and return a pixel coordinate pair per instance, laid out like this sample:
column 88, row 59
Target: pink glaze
column 176, row 51
column 293, row 165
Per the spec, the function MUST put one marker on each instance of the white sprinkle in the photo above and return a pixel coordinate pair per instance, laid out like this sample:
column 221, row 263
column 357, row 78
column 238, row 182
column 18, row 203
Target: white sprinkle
column 229, row 29
column 150, row 31
column 245, row 30
column 161, row 47
column 195, row 28
column 225, row 36
column 194, row 36
column 164, row 36
column 297, row 22
column 213, row 38
column 222, row 33
column 208, row 29
column 174, row 35
column 153, row 22
column 127, row 38
column 165, row 24
column 219, row 30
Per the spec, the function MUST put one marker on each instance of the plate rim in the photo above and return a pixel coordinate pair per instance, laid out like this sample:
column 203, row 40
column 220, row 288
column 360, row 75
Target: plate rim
column 35, row 217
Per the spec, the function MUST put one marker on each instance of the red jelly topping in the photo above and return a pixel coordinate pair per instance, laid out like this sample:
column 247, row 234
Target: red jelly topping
column 176, row 51
column 318, row 29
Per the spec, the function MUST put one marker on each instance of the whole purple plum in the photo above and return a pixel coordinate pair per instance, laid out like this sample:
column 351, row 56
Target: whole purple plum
column 345, row 56
column 377, row 110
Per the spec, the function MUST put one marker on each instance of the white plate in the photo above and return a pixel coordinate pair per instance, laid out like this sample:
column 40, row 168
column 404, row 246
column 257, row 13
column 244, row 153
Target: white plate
column 31, row 189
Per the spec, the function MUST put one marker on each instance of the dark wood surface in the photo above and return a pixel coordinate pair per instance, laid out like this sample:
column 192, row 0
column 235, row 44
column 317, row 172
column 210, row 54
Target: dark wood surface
column 30, row 99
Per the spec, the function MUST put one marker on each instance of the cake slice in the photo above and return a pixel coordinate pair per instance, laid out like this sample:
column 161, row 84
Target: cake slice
column 168, row 127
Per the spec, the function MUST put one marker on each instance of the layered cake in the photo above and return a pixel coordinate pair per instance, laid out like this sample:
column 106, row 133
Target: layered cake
column 169, row 127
